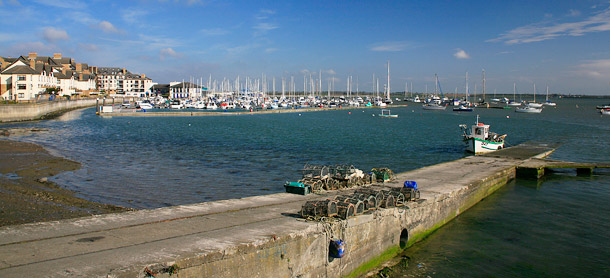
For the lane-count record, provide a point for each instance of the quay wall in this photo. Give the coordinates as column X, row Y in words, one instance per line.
column 35, row 111
column 370, row 239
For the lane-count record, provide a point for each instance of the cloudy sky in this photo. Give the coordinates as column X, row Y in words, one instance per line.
column 562, row 44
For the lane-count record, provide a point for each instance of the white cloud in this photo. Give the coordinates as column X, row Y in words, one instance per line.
column 107, row 27
column 330, row 71
column 271, row 50
column 10, row 2
column 214, row 31
column 64, row 4
column 132, row 16
column 599, row 69
column 572, row 12
column 263, row 26
column 51, row 34
column 390, row 46
column 598, row 22
column 167, row 53
column 39, row 47
column 461, row 54
column 264, row 14
column 88, row 46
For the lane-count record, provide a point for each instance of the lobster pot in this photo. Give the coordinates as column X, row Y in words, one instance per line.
column 358, row 205
column 359, row 196
column 345, row 210
column 399, row 198
column 319, row 208
column 370, row 203
column 388, row 201
column 371, row 192
column 410, row 193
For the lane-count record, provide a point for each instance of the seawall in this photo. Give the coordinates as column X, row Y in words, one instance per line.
column 35, row 111
column 260, row 236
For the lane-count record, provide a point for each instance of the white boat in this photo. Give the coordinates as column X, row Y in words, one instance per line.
column 462, row 108
column 534, row 104
column 211, row 105
column 176, row 104
column 386, row 113
column 528, row 109
column 548, row 102
column 144, row 104
column 605, row 112
column 479, row 139
column 433, row 106
column 514, row 102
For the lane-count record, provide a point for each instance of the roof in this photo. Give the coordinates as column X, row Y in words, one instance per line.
column 186, row 85
column 20, row 70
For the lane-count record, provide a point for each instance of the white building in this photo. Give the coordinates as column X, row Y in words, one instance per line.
column 121, row 81
column 25, row 78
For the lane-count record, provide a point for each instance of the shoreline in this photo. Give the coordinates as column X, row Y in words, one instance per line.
column 26, row 195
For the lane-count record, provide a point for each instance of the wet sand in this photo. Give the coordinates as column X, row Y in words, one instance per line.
column 25, row 194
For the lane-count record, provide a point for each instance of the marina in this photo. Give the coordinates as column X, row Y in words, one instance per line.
column 219, row 190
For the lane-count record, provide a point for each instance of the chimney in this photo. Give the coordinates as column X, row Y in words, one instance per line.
column 94, row 70
column 143, row 76
column 80, row 76
column 124, row 71
column 33, row 64
column 33, row 55
column 56, row 55
column 79, row 67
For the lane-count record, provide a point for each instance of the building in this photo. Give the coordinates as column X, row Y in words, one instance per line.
column 26, row 78
column 121, row 81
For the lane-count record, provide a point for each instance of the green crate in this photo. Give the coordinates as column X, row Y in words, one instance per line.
column 298, row 188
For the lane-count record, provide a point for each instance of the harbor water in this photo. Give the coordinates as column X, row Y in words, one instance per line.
column 556, row 227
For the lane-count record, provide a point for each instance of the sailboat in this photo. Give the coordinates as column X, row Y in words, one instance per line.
column 548, row 102
column 463, row 107
column 435, row 104
column 534, row 104
column 514, row 102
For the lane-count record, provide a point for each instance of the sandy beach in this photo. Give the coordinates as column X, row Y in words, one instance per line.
column 26, row 196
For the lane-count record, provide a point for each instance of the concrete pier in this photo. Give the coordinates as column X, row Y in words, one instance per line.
column 260, row 236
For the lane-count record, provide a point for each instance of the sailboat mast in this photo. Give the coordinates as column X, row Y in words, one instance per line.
column 388, row 80
column 483, row 85
column 467, row 87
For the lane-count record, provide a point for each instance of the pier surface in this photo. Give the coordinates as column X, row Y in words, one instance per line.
column 258, row 236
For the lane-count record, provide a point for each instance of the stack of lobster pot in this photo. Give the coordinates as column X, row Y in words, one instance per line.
column 359, row 206
column 317, row 209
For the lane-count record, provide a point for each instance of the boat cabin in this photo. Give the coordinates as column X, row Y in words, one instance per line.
column 480, row 131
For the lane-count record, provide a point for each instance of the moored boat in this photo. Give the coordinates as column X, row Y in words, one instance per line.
column 605, row 111
column 433, row 106
column 462, row 108
column 528, row 109
column 479, row 139
column 386, row 113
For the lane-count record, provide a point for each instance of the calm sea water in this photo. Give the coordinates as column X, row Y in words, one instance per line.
column 556, row 228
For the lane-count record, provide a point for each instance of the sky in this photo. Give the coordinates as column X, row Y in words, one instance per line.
column 564, row 45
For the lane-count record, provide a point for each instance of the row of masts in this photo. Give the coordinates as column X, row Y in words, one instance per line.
column 312, row 86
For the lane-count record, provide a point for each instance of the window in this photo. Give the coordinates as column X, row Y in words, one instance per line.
column 21, row 87
column 21, row 77
column 21, row 95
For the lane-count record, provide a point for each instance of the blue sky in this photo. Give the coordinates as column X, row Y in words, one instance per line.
column 562, row 44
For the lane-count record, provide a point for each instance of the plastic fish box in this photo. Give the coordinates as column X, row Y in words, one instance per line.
column 297, row 188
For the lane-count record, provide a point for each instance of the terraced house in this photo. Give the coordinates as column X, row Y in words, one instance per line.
column 23, row 79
